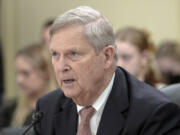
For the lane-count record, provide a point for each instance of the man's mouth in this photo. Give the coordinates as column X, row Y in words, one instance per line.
column 68, row 81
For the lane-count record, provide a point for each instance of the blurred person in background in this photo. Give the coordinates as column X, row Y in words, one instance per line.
column 34, row 78
column 45, row 31
column 168, row 61
column 135, row 52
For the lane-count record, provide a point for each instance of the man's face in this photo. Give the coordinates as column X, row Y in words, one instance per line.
column 79, row 70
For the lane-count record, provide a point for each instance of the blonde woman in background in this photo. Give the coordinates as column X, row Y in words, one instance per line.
column 135, row 52
column 35, row 78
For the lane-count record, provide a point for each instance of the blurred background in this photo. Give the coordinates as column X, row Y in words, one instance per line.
column 21, row 23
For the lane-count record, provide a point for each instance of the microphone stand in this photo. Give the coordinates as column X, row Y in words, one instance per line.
column 29, row 127
column 36, row 117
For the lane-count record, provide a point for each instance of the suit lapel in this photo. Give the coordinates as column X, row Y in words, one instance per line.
column 113, row 117
column 65, row 120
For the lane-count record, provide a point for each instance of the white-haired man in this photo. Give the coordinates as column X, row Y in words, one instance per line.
column 95, row 96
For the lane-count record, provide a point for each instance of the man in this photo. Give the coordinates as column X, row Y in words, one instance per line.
column 96, row 98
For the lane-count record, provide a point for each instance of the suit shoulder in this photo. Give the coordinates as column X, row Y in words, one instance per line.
column 140, row 93
column 51, row 97
column 149, row 95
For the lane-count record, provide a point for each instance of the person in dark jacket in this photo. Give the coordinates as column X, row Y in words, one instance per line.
column 95, row 96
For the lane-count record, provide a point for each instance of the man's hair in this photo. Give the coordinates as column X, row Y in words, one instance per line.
column 97, row 29
column 48, row 23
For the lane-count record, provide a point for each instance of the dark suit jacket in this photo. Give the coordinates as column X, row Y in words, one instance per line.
column 132, row 108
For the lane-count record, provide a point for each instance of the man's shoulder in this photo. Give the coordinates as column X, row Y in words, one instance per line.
column 145, row 94
column 144, row 103
column 148, row 98
column 50, row 98
column 53, row 93
column 48, row 105
column 140, row 93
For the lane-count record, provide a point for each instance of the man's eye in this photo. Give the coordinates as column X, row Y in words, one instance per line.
column 74, row 54
column 54, row 54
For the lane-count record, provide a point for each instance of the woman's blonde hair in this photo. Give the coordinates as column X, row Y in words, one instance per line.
column 140, row 39
column 39, row 57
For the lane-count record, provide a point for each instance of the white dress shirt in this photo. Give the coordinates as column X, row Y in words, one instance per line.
column 99, row 107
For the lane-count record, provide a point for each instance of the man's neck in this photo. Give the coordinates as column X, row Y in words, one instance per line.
column 88, row 99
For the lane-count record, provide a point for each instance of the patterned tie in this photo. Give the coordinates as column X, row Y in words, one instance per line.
column 84, row 127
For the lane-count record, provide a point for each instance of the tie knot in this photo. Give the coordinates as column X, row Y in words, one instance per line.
column 86, row 113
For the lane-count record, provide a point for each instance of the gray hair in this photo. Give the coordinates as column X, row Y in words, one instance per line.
column 97, row 29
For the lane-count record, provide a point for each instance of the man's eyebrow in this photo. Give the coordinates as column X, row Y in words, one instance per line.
column 72, row 49
column 51, row 50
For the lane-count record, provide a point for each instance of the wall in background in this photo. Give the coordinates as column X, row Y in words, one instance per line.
column 22, row 21
column 9, row 42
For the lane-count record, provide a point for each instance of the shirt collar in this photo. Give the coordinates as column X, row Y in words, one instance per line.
column 102, row 98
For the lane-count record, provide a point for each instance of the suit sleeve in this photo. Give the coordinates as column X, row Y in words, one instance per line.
column 165, row 120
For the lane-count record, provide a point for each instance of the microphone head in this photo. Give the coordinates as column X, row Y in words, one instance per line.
column 37, row 116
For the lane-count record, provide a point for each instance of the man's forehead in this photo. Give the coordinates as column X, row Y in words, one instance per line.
column 67, row 34
column 66, row 48
column 69, row 28
column 69, row 46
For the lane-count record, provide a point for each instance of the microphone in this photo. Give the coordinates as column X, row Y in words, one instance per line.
column 36, row 117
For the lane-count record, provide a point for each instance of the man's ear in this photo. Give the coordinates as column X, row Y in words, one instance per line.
column 109, row 52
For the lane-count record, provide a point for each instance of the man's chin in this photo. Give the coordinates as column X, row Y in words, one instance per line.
column 70, row 94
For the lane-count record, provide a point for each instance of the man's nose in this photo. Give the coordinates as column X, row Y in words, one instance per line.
column 63, row 65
